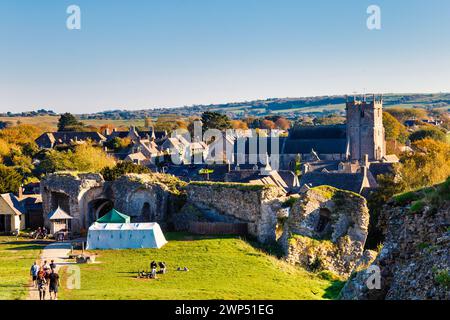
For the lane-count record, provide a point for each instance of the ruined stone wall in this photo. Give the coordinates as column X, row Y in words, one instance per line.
column 255, row 205
column 73, row 187
column 326, row 230
column 145, row 198
column 141, row 199
column 414, row 262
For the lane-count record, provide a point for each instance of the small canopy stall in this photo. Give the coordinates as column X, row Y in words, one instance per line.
column 114, row 216
column 59, row 220
column 125, row 236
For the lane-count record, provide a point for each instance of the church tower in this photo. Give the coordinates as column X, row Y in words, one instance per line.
column 365, row 131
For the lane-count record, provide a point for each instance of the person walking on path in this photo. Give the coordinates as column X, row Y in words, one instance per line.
column 42, row 285
column 34, row 273
column 54, row 284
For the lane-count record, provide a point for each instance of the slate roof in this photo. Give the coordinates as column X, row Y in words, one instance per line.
column 322, row 139
column 319, row 132
column 13, row 202
column 59, row 214
column 67, row 137
column 142, row 134
column 377, row 168
column 321, row 146
column 345, row 181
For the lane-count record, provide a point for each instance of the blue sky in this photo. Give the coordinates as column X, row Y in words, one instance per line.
column 140, row 54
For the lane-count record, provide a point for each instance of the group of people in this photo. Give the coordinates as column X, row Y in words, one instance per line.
column 153, row 270
column 40, row 233
column 44, row 277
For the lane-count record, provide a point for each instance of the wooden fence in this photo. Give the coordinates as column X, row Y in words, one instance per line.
column 218, row 228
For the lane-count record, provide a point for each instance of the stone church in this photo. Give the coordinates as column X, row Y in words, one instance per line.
column 347, row 156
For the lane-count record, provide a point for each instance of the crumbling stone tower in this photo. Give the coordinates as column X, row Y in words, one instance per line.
column 365, row 131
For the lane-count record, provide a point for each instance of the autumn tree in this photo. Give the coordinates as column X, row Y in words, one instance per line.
column 393, row 128
column 403, row 114
column 427, row 165
column 239, row 125
column 267, row 124
column 283, row 123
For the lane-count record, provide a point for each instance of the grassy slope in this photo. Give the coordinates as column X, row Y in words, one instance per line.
column 16, row 258
column 220, row 268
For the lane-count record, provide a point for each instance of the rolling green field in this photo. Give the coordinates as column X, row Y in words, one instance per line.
column 51, row 122
column 220, row 268
column 16, row 258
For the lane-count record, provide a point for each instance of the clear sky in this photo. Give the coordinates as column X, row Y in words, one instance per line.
column 139, row 54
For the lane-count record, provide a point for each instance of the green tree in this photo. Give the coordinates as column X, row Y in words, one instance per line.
column 428, row 132
column 68, row 122
column 10, row 179
column 214, row 120
column 84, row 158
column 122, row 168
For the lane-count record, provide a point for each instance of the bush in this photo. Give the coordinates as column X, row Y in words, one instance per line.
column 289, row 203
column 428, row 132
column 406, row 198
column 417, row 206
column 442, row 277
column 122, row 168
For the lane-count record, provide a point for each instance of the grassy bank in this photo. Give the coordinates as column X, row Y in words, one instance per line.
column 16, row 258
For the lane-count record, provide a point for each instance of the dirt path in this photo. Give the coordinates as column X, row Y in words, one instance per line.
column 56, row 251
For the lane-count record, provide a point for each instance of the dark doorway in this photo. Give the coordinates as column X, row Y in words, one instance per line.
column 147, row 215
column 3, row 223
column 324, row 220
column 98, row 208
column 60, row 200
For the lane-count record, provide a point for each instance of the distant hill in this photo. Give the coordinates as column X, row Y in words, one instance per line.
column 290, row 107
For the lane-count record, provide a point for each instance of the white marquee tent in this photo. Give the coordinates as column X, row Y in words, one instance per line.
column 125, row 236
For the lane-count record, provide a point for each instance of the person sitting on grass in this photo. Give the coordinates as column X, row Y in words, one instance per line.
column 153, row 276
column 162, row 267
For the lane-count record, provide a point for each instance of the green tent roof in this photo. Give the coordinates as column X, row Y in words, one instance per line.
column 114, row 216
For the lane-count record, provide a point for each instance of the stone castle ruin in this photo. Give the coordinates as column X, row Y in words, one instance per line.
column 326, row 230
column 161, row 198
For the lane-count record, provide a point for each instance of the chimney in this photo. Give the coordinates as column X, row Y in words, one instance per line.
column 364, row 172
column 305, row 168
column 20, row 193
column 365, row 160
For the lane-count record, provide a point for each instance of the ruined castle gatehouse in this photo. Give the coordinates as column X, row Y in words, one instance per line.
column 87, row 197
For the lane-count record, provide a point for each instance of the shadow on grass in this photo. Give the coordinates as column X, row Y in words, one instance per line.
column 332, row 292
column 25, row 248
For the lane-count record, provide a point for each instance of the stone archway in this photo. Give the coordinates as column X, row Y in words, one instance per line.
column 98, row 208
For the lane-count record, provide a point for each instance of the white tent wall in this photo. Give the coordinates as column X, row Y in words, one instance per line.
column 125, row 236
